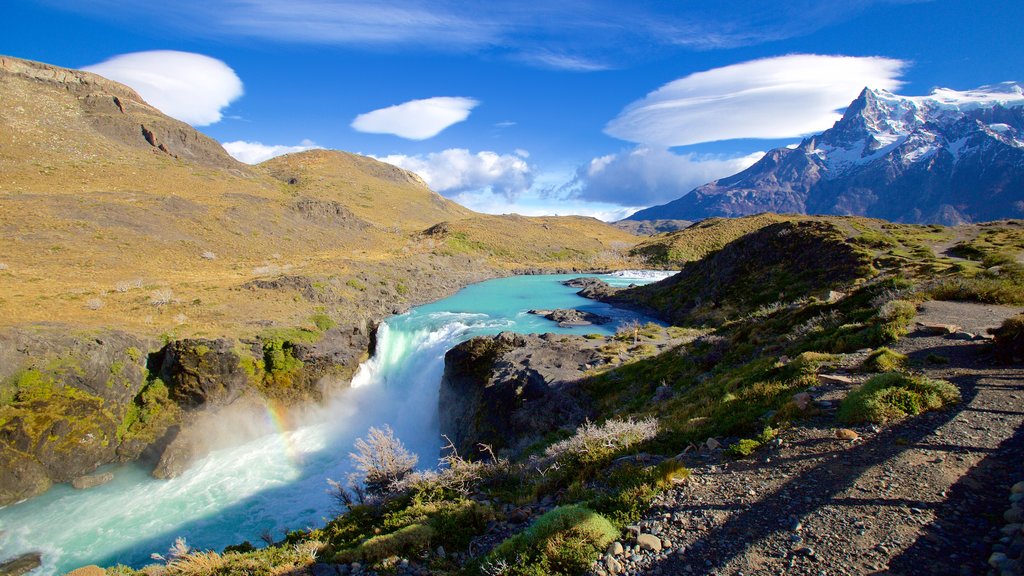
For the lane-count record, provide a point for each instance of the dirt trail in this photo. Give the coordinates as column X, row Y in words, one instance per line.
column 924, row 496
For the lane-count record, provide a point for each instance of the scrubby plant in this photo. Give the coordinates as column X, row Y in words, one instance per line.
column 161, row 297
column 594, row 444
column 884, row 359
column 565, row 541
column 382, row 459
column 895, row 395
column 746, row 446
column 1010, row 340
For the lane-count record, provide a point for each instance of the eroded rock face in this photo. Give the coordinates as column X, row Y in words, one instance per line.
column 202, row 372
column 508, row 390
column 63, row 398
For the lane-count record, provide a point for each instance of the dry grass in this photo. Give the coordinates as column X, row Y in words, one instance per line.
column 88, row 209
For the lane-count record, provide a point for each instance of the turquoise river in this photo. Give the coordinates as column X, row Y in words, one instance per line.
column 276, row 480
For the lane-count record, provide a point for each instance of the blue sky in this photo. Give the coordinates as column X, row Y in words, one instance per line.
column 597, row 107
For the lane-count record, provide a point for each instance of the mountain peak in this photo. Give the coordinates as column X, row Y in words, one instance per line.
column 949, row 157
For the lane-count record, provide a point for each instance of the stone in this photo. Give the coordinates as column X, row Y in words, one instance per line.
column 92, row 480
column 519, row 515
column 938, row 329
column 847, row 434
column 440, row 552
column 22, row 564
column 962, row 336
column 321, row 569
column 1013, row 515
column 649, row 542
column 802, row 400
column 90, row 570
column 1018, row 488
column 712, row 444
column 613, row 565
column 666, row 543
column 834, row 379
column 615, row 548
column 997, row 559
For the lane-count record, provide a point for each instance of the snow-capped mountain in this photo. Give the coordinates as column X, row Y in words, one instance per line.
column 950, row 157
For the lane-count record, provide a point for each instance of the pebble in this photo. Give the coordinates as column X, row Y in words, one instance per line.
column 615, row 549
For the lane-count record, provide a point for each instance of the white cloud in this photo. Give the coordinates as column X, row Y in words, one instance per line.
column 458, row 170
column 490, row 203
column 648, row 176
column 781, row 97
column 256, row 152
column 416, row 119
column 190, row 87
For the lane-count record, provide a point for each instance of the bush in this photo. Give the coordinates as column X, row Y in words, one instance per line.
column 382, row 459
column 565, row 541
column 893, row 395
column 405, row 541
column 1010, row 340
column 884, row 360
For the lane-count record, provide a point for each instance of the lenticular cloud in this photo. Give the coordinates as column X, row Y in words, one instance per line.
column 416, row 119
column 781, row 97
column 190, row 87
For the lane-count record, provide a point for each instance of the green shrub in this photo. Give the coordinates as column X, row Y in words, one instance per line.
column 356, row 284
column 894, row 395
column 1010, row 340
column 403, row 542
column 746, row 446
column 884, row 360
column 565, row 541
column 323, row 322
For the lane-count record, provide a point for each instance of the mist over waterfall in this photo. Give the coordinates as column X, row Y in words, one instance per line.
column 278, row 481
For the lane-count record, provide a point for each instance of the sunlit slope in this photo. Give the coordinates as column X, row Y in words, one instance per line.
column 385, row 195
column 113, row 214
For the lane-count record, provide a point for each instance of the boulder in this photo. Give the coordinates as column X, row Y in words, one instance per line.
column 508, row 390
column 802, row 400
column 649, row 542
column 846, row 434
column 938, row 329
column 91, row 480
column 22, row 564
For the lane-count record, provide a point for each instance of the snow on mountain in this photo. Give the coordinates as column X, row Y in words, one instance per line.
column 952, row 156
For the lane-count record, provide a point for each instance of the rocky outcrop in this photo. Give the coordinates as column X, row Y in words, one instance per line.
column 64, row 397
column 571, row 317
column 507, row 390
column 118, row 113
column 592, row 288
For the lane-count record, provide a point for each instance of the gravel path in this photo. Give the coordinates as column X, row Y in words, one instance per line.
column 924, row 496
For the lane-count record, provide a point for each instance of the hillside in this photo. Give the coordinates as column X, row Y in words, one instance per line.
column 948, row 158
column 137, row 252
column 811, row 405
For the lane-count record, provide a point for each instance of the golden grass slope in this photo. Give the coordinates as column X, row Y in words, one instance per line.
column 113, row 214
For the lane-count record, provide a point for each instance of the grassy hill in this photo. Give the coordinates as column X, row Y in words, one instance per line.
column 116, row 215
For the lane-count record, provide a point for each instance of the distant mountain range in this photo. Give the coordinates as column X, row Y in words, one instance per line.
column 950, row 157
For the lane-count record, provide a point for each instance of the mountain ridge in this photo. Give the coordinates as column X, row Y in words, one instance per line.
column 949, row 158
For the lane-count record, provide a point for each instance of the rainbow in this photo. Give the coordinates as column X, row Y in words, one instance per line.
column 278, row 417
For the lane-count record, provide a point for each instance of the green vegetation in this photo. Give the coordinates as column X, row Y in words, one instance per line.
column 894, row 395
column 884, row 360
column 746, row 446
column 323, row 322
column 562, row 542
column 151, row 412
column 1010, row 340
